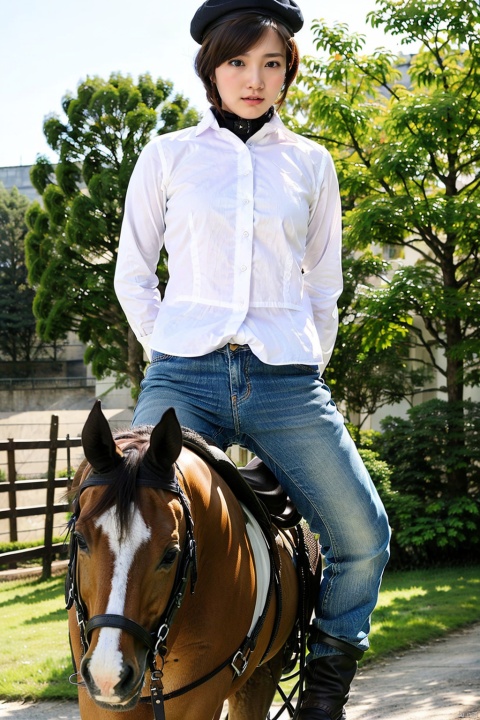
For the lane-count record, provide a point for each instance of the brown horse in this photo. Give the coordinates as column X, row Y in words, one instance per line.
column 163, row 585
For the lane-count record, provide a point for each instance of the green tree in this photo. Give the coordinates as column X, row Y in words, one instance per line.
column 405, row 137
column 366, row 378
column 18, row 338
column 72, row 243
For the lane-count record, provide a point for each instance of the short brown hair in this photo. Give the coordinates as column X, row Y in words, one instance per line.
column 235, row 35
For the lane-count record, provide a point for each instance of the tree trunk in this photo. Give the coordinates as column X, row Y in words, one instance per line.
column 457, row 480
column 454, row 374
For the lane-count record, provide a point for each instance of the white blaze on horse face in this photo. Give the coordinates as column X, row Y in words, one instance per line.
column 107, row 662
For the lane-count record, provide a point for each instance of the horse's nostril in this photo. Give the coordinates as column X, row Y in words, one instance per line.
column 85, row 672
column 127, row 678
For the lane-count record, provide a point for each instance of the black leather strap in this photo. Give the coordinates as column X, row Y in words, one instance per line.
column 121, row 623
column 318, row 636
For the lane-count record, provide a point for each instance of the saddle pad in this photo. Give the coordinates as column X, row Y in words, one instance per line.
column 262, row 563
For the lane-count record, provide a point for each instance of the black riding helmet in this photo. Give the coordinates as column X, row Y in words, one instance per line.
column 285, row 11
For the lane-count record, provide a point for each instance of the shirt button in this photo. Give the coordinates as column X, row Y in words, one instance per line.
column 246, row 201
column 245, row 233
column 243, row 268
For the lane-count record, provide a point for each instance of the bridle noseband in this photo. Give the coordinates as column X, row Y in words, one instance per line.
column 187, row 567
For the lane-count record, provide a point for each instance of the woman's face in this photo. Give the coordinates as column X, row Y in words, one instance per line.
column 249, row 84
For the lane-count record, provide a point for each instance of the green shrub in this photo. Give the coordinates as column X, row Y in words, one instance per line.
column 364, row 438
column 379, row 470
column 66, row 473
column 433, row 500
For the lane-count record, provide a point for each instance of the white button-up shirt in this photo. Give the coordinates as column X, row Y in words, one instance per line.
column 253, row 236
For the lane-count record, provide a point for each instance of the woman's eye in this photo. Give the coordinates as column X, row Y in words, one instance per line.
column 236, row 63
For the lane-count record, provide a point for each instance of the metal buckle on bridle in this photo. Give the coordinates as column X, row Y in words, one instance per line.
column 163, row 631
column 240, row 662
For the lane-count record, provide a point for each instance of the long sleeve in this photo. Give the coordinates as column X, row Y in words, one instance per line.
column 322, row 264
column 252, row 232
column 141, row 239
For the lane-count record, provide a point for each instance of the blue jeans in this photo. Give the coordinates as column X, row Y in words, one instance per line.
column 286, row 416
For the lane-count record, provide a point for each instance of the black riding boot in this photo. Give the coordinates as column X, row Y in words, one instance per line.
column 328, row 681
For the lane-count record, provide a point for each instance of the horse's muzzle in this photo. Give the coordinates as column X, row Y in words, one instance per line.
column 121, row 692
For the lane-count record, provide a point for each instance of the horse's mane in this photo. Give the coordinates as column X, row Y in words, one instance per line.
column 195, row 438
column 121, row 493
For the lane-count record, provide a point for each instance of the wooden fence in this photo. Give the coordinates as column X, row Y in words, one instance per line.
column 48, row 550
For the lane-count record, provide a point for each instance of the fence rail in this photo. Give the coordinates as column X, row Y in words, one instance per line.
column 17, row 556
column 48, row 550
column 45, row 383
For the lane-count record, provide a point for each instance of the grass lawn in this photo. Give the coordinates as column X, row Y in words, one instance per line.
column 414, row 607
column 417, row 606
column 34, row 650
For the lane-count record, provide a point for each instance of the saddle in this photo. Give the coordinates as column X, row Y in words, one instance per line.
column 254, row 485
column 268, row 490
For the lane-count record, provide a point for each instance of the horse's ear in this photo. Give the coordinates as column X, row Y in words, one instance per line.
column 98, row 444
column 165, row 442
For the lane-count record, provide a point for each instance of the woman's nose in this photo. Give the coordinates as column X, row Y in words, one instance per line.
column 255, row 81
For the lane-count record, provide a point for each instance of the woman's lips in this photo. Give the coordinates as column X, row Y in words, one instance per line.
column 252, row 100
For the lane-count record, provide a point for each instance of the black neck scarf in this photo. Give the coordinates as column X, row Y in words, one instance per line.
column 243, row 129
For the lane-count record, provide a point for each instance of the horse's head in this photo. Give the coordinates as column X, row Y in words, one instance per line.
column 129, row 531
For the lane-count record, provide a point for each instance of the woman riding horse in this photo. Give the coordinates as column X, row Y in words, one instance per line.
column 250, row 216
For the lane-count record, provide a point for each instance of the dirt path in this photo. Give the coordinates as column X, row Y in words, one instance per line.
column 440, row 681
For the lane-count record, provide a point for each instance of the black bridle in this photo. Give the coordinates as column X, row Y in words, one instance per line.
column 187, row 567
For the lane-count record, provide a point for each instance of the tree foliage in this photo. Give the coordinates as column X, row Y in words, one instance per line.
column 18, row 339
column 363, row 376
column 405, row 137
column 73, row 239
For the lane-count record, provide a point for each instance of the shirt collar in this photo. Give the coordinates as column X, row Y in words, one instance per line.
column 209, row 121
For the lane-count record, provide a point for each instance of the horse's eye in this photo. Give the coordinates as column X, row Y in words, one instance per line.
column 169, row 557
column 81, row 542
